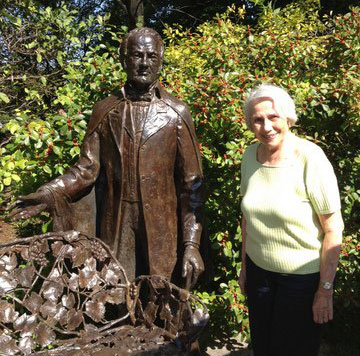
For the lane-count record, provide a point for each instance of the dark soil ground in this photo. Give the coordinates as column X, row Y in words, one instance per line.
column 7, row 232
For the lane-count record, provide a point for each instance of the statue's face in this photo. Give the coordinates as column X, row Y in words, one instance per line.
column 143, row 61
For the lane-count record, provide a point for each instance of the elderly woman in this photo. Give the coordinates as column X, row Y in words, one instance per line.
column 291, row 228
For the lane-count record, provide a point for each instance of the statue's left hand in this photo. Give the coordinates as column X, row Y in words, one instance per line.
column 193, row 265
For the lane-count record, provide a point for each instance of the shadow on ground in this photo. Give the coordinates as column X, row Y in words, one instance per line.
column 233, row 346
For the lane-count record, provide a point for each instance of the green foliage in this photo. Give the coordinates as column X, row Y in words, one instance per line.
column 44, row 122
column 212, row 69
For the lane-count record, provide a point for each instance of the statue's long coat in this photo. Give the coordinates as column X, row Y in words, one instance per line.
column 170, row 177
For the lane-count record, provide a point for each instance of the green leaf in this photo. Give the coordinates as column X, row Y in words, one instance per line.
column 13, row 127
column 60, row 59
column 47, row 169
column 15, row 177
column 45, row 227
column 7, row 181
column 4, row 97
column 57, row 150
column 18, row 21
column 38, row 57
column 11, row 166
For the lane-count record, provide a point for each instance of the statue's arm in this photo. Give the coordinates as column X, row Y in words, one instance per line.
column 57, row 194
column 190, row 184
column 82, row 174
column 63, row 189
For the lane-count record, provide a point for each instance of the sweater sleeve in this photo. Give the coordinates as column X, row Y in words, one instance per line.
column 321, row 183
column 244, row 164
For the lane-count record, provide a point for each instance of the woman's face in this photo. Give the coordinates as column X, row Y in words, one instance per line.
column 266, row 123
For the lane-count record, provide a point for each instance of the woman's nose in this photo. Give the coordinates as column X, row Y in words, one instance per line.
column 267, row 124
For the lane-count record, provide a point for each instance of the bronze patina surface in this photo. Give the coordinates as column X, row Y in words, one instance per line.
column 138, row 182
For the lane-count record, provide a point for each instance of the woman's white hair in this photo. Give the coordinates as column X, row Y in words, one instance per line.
column 283, row 103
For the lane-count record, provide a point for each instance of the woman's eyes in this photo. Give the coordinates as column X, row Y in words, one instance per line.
column 260, row 120
column 274, row 118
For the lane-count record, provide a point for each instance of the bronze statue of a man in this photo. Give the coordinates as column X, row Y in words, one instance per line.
column 141, row 155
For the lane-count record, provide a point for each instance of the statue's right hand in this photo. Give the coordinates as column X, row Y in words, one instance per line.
column 28, row 206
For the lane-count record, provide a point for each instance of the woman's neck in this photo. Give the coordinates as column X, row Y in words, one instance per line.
column 275, row 155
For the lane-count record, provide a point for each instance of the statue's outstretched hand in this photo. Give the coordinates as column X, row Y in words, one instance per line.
column 28, row 206
column 193, row 266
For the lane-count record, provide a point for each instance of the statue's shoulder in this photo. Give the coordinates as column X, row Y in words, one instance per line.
column 101, row 109
column 177, row 105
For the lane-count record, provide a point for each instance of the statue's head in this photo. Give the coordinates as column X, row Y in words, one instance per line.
column 142, row 56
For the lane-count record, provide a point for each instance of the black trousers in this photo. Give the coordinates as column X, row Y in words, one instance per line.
column 280, row 312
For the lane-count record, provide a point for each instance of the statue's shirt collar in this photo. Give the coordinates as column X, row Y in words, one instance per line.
column 134, row 94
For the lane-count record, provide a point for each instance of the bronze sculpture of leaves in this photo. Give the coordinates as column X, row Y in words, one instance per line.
column 66, row 291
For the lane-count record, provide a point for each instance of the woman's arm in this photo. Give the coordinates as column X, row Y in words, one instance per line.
column 332, row 225
column 242, row 278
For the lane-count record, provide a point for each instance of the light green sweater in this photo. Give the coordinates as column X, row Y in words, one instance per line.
column 281, row 204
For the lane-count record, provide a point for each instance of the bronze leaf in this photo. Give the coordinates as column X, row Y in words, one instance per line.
column 165, row 313
column 88, row 276
column 79, row 255
column 44, row 335
column 49, row 309
column 24, row 252
column 115, row 296
column 25, row 276
column 95, row 310
column 110, row 275
column 73, row 282
column 7, row 312
column 26, row 324
column 150, row 312
column 8, row 262
column 68, row 301
column 52, row 290
column 74, row 319
column 7, row 346
column 56, row 247
column 26, row 345
column 33, row 302
column 6, row 283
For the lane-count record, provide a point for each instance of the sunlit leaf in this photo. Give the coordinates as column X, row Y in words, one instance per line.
column 7, row 312
column 26, row 324
column 4, row 98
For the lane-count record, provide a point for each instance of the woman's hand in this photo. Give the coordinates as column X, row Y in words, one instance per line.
column 323, row 306
column 242, row 280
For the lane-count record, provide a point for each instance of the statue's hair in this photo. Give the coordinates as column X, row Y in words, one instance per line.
column 283, row 103
column 136, row 32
